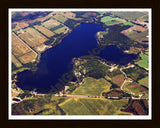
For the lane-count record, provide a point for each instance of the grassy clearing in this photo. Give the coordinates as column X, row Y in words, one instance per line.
column 147, row 53
column 134, row 35
column 92, row 87
column 132, row 32
column 44, row 30
column 110, row 20
column 61, row 30
column 100, row 12
column 144, row 81
column 83, row 106
column 128, row 23
column 144, row 61
column 106, row 18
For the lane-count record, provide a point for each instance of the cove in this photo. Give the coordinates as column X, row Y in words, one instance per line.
column 56, row 61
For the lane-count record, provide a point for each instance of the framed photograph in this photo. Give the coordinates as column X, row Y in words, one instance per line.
column 80, row 63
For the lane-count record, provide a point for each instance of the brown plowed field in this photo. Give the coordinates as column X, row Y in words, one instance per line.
column 51, row 23
column 18, row 46
column 28, row 57
column 118, row 80
column 15, row 61
column 32, row 37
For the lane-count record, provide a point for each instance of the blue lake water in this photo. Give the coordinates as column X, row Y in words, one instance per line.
column 56, row 61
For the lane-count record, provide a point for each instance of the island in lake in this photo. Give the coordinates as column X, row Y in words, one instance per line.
column 80, row 63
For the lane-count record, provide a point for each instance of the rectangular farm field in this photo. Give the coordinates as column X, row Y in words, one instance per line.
column 86, row 106
column 68, row 14
column 118, row 79
column 111, row 22
column 33, row 32
column 128, row 15
column 144, row 81
column 60, row 18
column 16, row 62
column 133, row 29
column 33, row 37
column 20, row 25
column 44, row 30
column 28, row 57
column 18, row 46
column 106, row 18
column 51, row 23
column 61, row 30
column 144, row 62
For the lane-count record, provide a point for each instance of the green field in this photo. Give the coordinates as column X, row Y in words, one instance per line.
column 144, row 81
column 86, row 106
column 51, row 105
column 106, row 18
column 100, row 12
column 92, row 87
column 60, row 18
column 110, row 20
column 147, row 53
column 128, row 23
column 61, row 30
column 144, row 61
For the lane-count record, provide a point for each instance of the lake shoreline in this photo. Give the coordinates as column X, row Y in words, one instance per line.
column 34, row 69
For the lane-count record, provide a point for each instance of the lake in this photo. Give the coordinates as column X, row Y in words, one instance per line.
column 56, row 61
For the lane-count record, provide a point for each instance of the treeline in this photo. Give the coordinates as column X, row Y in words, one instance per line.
column 18, row 16
column 114, row 37
column 71, row 23
column 95, row 69
column 116, row 93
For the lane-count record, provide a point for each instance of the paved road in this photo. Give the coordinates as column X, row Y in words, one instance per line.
column 84, row 96
column 124, row 80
